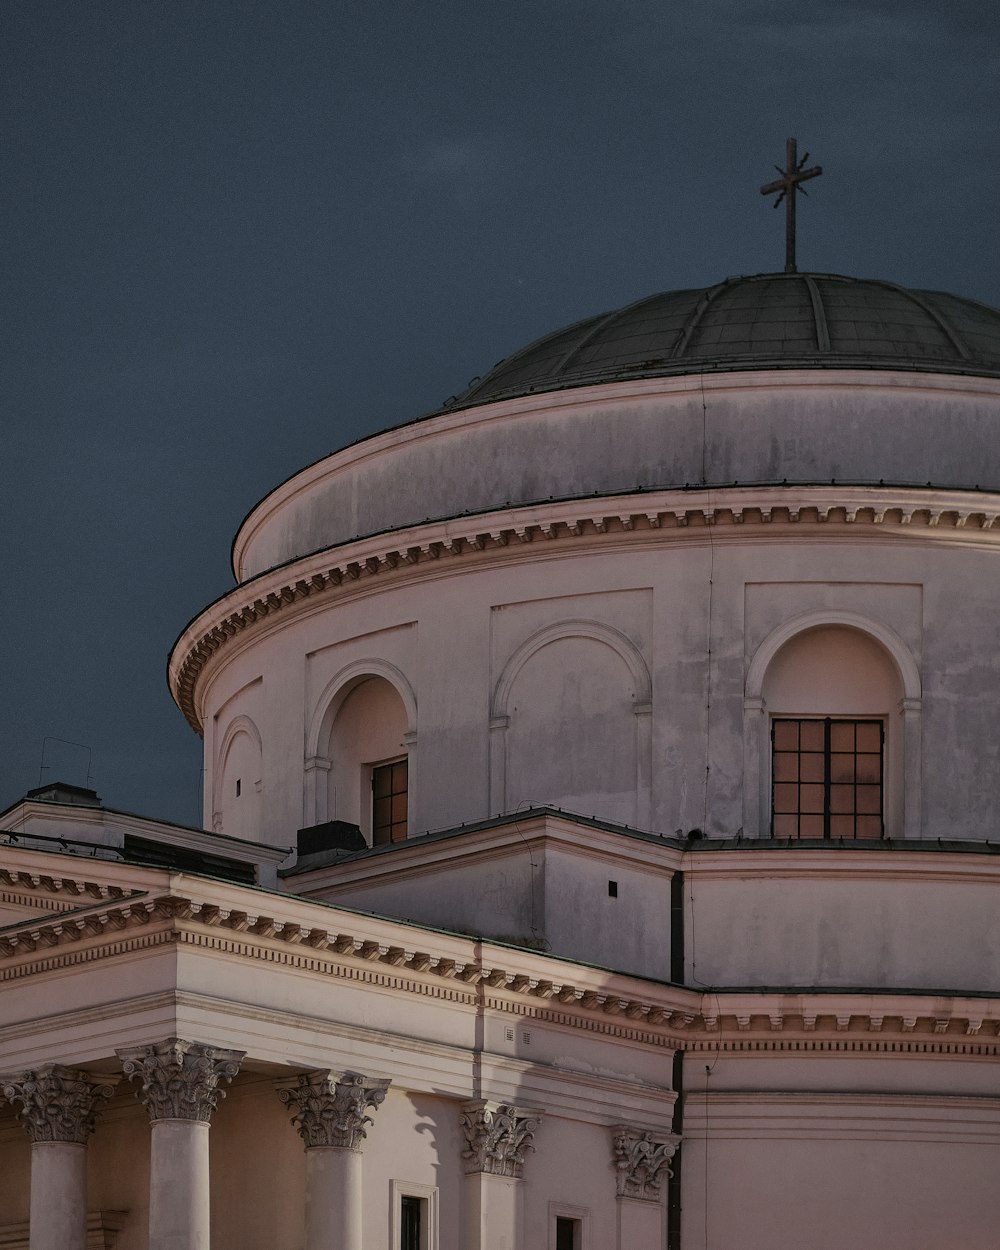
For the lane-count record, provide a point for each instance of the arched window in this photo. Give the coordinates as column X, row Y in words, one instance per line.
column 361, row 771
column 832, row 717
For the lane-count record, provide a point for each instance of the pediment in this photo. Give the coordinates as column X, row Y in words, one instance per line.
column 42, row 887
column 14, row 910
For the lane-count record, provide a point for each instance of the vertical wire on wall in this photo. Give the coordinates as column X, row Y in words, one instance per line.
column 708, row 661
column 710, row 523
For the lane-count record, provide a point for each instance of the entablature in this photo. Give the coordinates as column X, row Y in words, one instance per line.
column 692, row 514
column 481, row 976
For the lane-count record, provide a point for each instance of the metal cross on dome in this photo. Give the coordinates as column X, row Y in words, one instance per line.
column 788, row 184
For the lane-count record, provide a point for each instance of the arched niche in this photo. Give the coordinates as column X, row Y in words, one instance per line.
column 365, row 720
column 570, row 725
column 236, row 808
column 836, row 665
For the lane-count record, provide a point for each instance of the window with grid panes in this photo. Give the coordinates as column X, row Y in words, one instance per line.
column 389, row 802
column 827, row 778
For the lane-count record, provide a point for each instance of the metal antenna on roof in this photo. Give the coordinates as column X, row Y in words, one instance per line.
column 787, row 185
column 43, row 767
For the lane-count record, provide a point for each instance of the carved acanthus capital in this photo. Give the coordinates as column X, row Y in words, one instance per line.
column 498, row 1136
column 180, row 1080
column 642, row 1160
column 58, row 1104
column 328, row 1108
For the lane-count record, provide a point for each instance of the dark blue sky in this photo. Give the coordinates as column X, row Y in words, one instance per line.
column 239, row 235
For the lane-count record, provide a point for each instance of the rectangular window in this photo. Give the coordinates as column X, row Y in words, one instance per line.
column 389, row 802
column 411, row 1222
column 414, row 1216
column 567, row 1233
column 827, row 778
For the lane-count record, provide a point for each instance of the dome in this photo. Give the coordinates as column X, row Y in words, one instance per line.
column 766, row 321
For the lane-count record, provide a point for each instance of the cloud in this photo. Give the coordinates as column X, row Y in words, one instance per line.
column 455, row 158
column 791, row 16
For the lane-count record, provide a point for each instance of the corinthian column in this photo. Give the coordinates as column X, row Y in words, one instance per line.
column 58, row 1107
column 642, row 1164
column 498, row 1136
column 328, row 1108
column 180, row 1086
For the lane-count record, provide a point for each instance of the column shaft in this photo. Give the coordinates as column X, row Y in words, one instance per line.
column 180, row 1084
column 328, row 1109
column 334, row 1206
column 58, row 1106
column 178, row 1187
column 58, row 1196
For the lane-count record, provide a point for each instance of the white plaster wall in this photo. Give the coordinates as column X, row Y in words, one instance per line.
column 571, row 741
column 118, row 1167
column 870, row 925
column 258, row 1171
column 417, row 1140
column 961, row 673
column 582, row 921
column 680, row 594
column 234, row 749
column 571, row 1167
column 840, row 1171
column 15, row 1166
column 547, row 897
column 795, row 425
column 502, row 897
column 238, row 801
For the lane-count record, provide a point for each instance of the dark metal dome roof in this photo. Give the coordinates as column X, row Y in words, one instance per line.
column 768, row 321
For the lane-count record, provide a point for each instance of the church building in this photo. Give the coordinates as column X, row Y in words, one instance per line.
column 600, row 824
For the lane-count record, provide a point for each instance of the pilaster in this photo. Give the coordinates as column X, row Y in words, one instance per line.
column 642, row 1163
column 498, row 1138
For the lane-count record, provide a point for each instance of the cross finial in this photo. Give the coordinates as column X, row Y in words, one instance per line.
column 787, row 185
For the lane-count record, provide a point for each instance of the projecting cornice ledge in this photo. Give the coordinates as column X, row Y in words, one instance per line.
column 509, row 980
column 727, row 512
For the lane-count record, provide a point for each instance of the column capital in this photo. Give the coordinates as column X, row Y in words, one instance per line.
column 641, row 1160
column 498, row 1135
column 58, row 1104
column 328, row 1108
column 180, row 1080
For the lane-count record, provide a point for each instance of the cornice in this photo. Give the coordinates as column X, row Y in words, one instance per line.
column 523, row 983
column 921, row 860
column 846, row 1115
column 577, row 526
column 53, row 892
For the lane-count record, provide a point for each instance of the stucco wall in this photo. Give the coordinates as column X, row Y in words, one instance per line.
column 690, row 613
column 799, row 426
